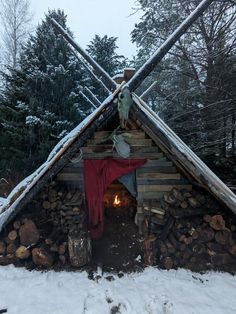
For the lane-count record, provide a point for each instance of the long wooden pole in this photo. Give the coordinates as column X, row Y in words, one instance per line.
column 146, row 69
column 88, row 100
column 148, row 90
column 92, row 96
column 108, row 81
column 87, row 67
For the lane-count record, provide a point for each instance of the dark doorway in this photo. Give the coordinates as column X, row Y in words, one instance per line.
column 120, row 246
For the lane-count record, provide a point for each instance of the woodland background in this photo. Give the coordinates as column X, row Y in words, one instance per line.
column 41, row 82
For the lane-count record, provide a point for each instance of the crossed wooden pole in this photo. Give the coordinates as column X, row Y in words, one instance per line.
column 147, row 68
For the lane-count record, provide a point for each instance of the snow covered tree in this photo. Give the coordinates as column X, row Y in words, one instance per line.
column 103, row 50
column 41, row 102
column 15, row 17
column 193, row 80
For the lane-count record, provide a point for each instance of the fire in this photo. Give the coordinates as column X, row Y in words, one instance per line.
column 117, row 201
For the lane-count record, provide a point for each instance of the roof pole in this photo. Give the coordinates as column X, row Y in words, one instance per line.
column 90, row 94
column 148, row 66
column 90, row 70
column 108, row 81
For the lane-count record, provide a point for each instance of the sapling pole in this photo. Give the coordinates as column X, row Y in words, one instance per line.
column 88, row 100
column 148, row 66
column 87, row 67
column 92, row 96
column 108, row 81
column 148, row 90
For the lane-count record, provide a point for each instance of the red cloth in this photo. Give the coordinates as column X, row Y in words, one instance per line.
column 98, row 175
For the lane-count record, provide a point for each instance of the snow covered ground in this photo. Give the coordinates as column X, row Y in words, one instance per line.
column 153, row 291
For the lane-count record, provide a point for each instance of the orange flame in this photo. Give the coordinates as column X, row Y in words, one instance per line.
column 117, row 201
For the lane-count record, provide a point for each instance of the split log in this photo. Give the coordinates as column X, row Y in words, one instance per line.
column 79, row 247
column 16, row 224
column 62, row 259
column 221, row 259
column 217, row 222
column 28, row 232
column 12, row 235
column 168, row 262
column 2, row 247
column 62, row 248
column 149, row 248
column 8, row 259
column 11, row 248
column 41, row 257
column 167, row 228
column 232, row 250
column 22, row 252
column 193, row 202
column 223, row 237
column 206, row 234
column 184, row 213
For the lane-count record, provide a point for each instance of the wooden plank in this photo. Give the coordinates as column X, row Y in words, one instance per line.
column 161, row 169
column 110, row 148
column 70, row 176
column 150, row 195
column 157, row 163
column 131, row 141
column 156, row 175
column 161, row 182
column 133, row 133
column 116, row 156
column 162, row 188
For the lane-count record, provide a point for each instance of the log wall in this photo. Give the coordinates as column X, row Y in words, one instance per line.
column 157, row 176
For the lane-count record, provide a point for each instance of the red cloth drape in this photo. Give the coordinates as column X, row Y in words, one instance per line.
column 98, row 175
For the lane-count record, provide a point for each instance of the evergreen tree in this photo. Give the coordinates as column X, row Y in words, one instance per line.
column 103, row 51
column 41, row 101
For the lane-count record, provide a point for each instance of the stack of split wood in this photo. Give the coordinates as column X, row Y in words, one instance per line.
column 189, row 229
column 24, row 242
column 64, row 208
column 46, row 232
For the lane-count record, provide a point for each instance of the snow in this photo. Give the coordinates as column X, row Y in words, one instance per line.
column 152, row 291
column 2, row 201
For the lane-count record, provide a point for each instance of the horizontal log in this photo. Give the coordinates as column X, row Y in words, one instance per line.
column 161, row 182
column 105, row 134
column 157, row 163
column 161, row 169
column 162, row 188
column 156, row 176
column 110, row 148
column 131, row 141
column 116, row 156
column 150, row 195
column 70, row 176
column 184, row 213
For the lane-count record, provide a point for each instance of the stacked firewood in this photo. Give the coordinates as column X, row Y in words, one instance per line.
column 41, row 234
column 64, row 208
column 189, row 229
column 24, row 242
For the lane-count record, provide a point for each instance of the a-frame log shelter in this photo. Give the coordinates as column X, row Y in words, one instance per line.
column 166, row 141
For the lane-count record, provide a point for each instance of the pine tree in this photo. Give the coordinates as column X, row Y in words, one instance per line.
column 103, row 50
column 41, row 101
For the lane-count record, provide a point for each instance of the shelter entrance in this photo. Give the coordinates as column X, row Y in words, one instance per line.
column 120, row 246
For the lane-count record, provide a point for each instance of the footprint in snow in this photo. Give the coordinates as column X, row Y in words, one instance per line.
column 154, row 305
column 167, row 306
column 95, row 304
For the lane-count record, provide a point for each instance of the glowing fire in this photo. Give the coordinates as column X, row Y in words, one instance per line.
column 117, row 201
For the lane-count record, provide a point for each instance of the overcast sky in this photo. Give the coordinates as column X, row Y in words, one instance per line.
column 89, row 17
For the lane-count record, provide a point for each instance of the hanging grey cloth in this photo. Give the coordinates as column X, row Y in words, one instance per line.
column 121, row 146
column 129, row 181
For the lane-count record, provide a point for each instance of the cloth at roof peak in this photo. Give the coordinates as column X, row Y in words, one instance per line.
column 98, row 175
